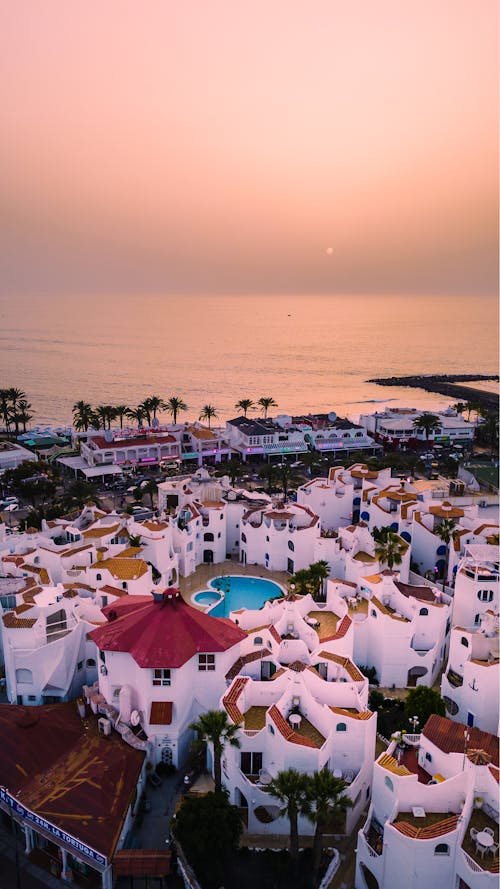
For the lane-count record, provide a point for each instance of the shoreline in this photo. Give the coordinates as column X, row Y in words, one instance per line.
column 447, row 384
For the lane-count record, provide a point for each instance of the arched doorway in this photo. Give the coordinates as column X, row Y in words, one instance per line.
column 413, row 675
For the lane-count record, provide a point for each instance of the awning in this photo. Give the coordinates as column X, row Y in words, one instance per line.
column 72, row 462
column 142, row 863
column 93, row 471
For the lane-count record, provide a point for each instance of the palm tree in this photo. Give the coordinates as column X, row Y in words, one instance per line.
column 289, row 787
column 231, row 467
column 459, row 407
column 147, row 410
column 5, row 408
column 215, row 728
column 244, row 404
column 266, row 403
column 313, row 462
column 150, row 488
column 287, row 476
column 319, row 571
column 174, row 406
column 268, row 473
column 121, row 411
column 15, row 396
column 102, row 413
column 138, row 414
column 155, row 403
column 208, row 413
column 325, row 801
column 390, row 551
column 83, row 416
column 427, row 422
column 446, row 532
column 23, row 413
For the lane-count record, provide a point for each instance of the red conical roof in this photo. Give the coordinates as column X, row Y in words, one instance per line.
column 163, row 634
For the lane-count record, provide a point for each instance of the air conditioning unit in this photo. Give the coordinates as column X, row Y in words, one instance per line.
column 104, row 727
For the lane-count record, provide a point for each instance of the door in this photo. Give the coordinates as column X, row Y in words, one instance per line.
column 470, row 719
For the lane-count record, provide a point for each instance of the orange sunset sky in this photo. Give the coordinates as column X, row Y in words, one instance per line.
column 225, row 145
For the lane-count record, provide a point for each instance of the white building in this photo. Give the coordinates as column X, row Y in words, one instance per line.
column 470, row 682
column 395, row 424
column 281, row 538
column 161, row 664
column 12, row 454
column 476, row 586
column 429, row 801
column 266, row 437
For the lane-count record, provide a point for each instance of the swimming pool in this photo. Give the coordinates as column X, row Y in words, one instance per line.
column 239, row 591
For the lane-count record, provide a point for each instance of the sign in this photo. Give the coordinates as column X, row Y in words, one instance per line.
column 31, row 819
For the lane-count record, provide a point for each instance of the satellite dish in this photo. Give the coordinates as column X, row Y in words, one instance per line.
column 332, row 416
column 135, row 718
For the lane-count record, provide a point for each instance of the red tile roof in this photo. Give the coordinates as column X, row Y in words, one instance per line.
column 447, row 825
column 341, row 630
column 230, row 700
column 54, row 763
column 161, row 713
column 274, row 633
column 449, row 737
column 163, row 634
column 142, row 863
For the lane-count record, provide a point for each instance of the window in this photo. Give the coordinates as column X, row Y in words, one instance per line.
column 98, row 577
column 243, row 537
column 25, row 676
column 271, row 729
column 291, row 545
column 221, row 516
column 104, row 600
column 485, row 595
column 442, row 849
column 373, row 612
column 251, row 763
column 464, row 641
column 189, row 547
column 424, row 611
column 258, row 640
column 31, row 697
column 428, row 757
column 79, row 665
column 91, row 662
column 341, row 727
column 208, row 536
column 477, row 619
column 388, row 783
column 124, row 585
column 206, row 662
column 161, row 677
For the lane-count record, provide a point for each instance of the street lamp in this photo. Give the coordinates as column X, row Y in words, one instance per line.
column 414, row 722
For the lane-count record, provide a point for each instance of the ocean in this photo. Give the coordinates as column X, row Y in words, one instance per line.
column 310, row 353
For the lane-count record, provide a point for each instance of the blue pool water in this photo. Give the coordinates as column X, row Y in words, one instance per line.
column 206, row 598
column 242, row 592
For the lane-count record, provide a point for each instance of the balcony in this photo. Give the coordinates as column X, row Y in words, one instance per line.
column 454, row 678
column 476, row 861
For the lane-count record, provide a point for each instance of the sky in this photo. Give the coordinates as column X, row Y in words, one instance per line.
column 227, row 146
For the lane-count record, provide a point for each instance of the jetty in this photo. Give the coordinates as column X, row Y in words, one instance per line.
column 448, row 384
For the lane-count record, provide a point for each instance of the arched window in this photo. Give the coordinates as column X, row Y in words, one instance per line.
column 258, row 640
column 125, row 585
column 464, row 641
column 373, row 612
column 341, row 727
column 441, row 550
column 208, row 536
column 25, row 676
column 266, row 557
column 477, row 619
column 388, row 783
column 485, row 595
column 91, row 662
column 424, row 611
column 442, row 849
column 243, row 537
column 291, row 545
column 98, row 577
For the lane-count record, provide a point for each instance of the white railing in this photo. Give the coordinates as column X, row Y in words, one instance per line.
column 472, row 864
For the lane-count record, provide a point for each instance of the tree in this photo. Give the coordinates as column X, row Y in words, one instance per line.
column 215, row 728
column 23, row 413
column 208, row 412
column 121, row 411
column 209, row 830
column 83, row 416
column 232, row 468
column 446, row 532
column 391, row 550
column 174, row 406
column 150, row 488
column 319, row 572
column 380, row 534
column 459, row 407
column 79, row 493
column 138, row 414
column 287, row 476
column 104, row 414
column 154, row 404
column 147, row 410
column 427, row 423
column 422, row 702
column 326, row 801
column 5, row 409
column 244, row 404
column 268, row 473
column 266, row 403
column 313, row 462
column 289, row 787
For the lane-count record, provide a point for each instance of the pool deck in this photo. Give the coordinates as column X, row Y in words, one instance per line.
column 204, row 573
